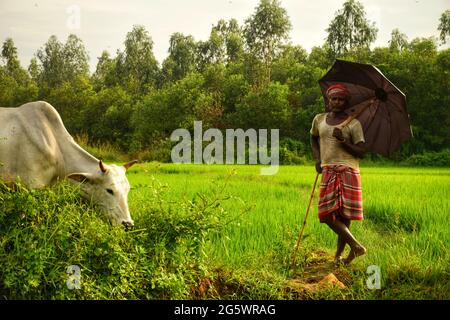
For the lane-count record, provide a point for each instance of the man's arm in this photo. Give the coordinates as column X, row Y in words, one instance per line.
column 356, row 150
column 314, row 140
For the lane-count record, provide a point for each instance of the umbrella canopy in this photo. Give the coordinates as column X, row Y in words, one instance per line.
column 375, row 101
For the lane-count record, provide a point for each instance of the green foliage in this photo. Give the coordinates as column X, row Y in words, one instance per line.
column 159, row 150
column 225, row 45
column 240, row 77
column 405, row 230
column 61, row 63
column 43, row 232
column 350, row 29
column 71, row 99
column 235, row 88
column 292, row 152
column 177, row 105
column 265, row 32
column 137, row 67
column 16, row 87
column 105, row 73
column 399, row 41
column 181, row 59
column 444, row 26
column 101, row 150
column 430, row 159
column 265, row 108
column 107, row 117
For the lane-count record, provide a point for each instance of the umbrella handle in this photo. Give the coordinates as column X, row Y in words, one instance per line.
column 350, row 118
column 294, row 256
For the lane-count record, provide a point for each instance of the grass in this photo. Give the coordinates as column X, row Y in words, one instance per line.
column 405, row 227
column 226, row 232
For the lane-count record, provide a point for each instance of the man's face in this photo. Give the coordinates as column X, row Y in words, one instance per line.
column 337, row 103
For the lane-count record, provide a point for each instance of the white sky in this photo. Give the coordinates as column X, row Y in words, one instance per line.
column 104, row 24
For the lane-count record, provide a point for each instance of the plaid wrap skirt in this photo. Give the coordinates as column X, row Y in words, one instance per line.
column 340, row 193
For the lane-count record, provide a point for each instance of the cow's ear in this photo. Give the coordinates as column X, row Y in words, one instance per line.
column 79, row 177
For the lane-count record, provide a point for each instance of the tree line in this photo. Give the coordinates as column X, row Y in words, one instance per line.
column 242, row 76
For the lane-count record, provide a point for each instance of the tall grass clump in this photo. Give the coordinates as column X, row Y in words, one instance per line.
column 101, row 150
column 44, row 232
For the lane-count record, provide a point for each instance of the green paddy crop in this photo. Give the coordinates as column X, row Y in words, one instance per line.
column 227, row 232
column 405, row 229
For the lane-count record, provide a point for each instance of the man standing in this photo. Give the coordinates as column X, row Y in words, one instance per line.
column 337, row 144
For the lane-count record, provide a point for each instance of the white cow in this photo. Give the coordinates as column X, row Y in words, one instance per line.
column 36, row 147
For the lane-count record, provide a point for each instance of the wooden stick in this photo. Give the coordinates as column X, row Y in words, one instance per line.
column 294, row 257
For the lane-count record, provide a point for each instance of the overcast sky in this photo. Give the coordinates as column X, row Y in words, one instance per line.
column 103, row 24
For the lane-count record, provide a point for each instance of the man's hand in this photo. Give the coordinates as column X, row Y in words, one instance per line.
column 337, row 133
column 318, row 167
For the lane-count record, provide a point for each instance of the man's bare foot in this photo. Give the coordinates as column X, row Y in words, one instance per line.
column 338, row 261
column 355, row 252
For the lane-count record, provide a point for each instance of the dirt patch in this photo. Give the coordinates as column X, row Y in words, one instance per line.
column 221, row 284
column 318, row 274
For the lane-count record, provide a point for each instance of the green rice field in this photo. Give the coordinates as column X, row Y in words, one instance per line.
column 406, row 227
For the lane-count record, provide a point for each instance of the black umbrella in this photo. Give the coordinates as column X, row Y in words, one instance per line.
column 375, row 101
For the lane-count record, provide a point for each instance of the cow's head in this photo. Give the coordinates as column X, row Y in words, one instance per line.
column 108, row 188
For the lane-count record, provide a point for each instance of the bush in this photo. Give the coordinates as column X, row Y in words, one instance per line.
column 104, row 151
column 292, row 152
column 160, row 150
column 431, row 159
column 43, row 232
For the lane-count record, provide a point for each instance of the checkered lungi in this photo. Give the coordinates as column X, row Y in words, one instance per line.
column 340, row 193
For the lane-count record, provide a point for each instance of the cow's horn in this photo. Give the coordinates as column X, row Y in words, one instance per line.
column 102, row 167
column 129, row 164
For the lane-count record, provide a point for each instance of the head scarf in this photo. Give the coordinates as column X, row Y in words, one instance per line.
column 338, row 90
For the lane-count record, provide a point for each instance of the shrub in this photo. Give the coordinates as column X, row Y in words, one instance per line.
column 104, row 151
column 292, row 152
column 43, row 232
column 432, row 159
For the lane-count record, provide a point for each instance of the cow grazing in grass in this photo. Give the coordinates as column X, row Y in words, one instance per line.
column 36, row 148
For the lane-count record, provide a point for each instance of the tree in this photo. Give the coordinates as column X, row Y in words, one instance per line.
column 181, row 59
column 234, row 42
column 52, row 60
column 284, row 64
column 226, row 41
column 235, row 88
column 424, row 46
column 63, row 62
column 76, row 58
column 225, row 44
column 107, row 119
column 34, row 69
column 321, row 57
column 105, row 72
column 71, row 99
column 444, row 26
column 265, row 31
column 176, row 105
column 137, row 66
column 350, row 29
column 399, row 41
column 9, row 54
column 12, row 66
column 265, row 108
column 16, row 86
